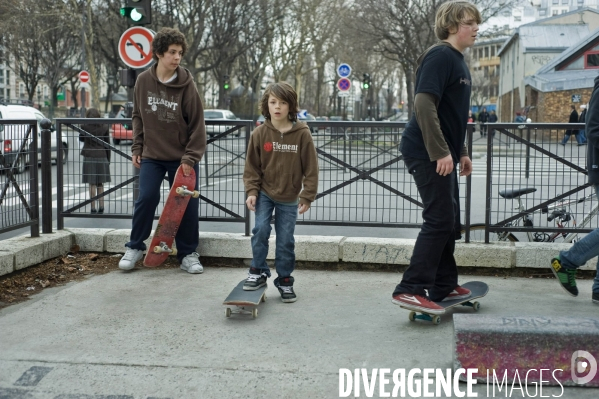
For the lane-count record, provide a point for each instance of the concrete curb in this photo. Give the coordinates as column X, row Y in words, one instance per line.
column 20, row 252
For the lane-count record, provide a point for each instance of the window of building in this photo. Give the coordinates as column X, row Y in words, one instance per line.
column 486, row 51
column 46, row 92
column 492, row 51
column 7, row 77
column 554, row 12
column 21, row 90
column 564, row 11
column 565, row 2
column 517, row 18
column 1, row 93
column 555, row 1
column 1, row 76
column 8, row 94
column 542, row 12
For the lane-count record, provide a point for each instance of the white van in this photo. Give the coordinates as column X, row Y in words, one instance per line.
column 12, row 136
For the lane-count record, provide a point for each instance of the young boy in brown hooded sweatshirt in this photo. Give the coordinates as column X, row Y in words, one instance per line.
column 168, row 132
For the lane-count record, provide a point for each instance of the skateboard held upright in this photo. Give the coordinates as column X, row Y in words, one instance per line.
column 245, row 301
column 478, row 289
column 170, row 218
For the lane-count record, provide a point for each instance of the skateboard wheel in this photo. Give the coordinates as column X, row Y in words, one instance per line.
column 180, row 190
column 174, row 251
column 263, row 298
column 255, row 313
column 196, row 194
column 476, row 306
column 436, row 319
column 228, row 312
column 412, row 316
column 157, row 249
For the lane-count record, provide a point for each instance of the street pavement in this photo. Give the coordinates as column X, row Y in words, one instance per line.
column 164, row 334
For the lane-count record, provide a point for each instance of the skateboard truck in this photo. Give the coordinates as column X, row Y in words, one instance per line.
column 162, row 247
column 436, row 319
column 184, row 191
column 253, row 310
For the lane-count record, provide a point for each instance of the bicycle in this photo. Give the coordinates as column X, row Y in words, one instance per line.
column 559, row 212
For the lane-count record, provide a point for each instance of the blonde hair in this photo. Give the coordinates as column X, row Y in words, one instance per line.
column 451, row 14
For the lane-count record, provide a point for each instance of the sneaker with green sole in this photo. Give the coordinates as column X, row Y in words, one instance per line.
column 566, row 277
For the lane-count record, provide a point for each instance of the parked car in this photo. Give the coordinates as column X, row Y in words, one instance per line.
column 308, row 118
column 12, row 137
column 219, row 114
column 120, row 132
column 260, row 120
column 323, row 128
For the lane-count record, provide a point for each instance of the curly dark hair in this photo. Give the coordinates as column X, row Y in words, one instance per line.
column 283, row 91
column 164, row 38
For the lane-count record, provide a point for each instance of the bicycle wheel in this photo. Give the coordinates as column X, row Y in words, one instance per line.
column 477, row 234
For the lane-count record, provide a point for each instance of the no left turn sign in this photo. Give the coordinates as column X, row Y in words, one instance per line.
column 135, row 47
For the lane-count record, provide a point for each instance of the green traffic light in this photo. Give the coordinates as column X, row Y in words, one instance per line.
column 226, row 86
column 366, row 85
column 136, row 15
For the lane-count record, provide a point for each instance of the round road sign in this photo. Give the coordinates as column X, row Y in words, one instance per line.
column 135, row 47
column 343, row 84
column 84, row 76
column 343, row 70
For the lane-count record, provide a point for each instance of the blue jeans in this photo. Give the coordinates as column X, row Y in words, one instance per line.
column 432, row 266
column 150, row 179
column 582, row 135
column 285, row 218
column 576, row 134
column 582, row 251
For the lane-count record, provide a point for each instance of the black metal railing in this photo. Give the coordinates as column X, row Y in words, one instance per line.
column 19, row 192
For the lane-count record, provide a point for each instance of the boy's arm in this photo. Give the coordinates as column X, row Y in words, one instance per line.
column 425, row 108
column 138, row 126
column 310, row 171
column 196, row 147
column 252, row 172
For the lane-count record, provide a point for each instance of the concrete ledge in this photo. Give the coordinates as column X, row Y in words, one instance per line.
column 511, row 346
column 539, row 255
column 29, row 251
column 497, row 254
column 395, row 251
column 90, row 240
column 19, row 252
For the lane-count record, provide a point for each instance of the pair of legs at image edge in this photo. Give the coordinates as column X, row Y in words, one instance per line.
column 566, row 264
column 432, row 275
column 285, row 218
column 187, row 239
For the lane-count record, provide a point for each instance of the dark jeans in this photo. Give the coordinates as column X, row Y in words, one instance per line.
column 285, row 218
column 432, row 266
column 150, row 179
column 576, row 134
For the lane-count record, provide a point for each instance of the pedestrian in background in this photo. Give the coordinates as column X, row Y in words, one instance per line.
column 572, row 119
column 581, row 119
column 483, row 118
column 96, row 159
column 566, row 264
column 280, row 176
column 519, row 118
column 433, row 143
column 168, row 133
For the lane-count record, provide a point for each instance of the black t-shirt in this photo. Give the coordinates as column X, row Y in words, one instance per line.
column 444, row 74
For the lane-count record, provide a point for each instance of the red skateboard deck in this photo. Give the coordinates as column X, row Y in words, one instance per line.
column 170, row 219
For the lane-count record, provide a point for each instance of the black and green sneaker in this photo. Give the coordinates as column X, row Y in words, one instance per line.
column 566, row 277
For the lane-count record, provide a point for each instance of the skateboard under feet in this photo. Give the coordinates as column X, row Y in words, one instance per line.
column 478, row 289
column 245, row 302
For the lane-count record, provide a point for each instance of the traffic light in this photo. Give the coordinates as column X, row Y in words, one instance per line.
column 139, row 12
column 366, row 81
column 226, row 84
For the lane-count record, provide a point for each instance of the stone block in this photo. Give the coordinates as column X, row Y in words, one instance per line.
column 539, row 255
column 495, row 254
column 115, row 240
column 30, row 251
column 318, row 248
column 518, row 347
column 396, row 251
column 90, row 240
column 226, row 245
column 7, row 261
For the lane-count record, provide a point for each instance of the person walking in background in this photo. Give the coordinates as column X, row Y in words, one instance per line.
column 483, row 118
column 581, row 119
column 281, row 160
column 471, row 117
column 433, row 143
column 566, row 264
column 572, row 119
column 519, row 118
column 168, row 133
column 96, row 158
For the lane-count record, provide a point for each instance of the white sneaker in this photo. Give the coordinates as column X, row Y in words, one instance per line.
column 191, row 264
column 131, row 256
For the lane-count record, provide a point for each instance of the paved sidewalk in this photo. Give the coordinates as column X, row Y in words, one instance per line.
column 163, row 334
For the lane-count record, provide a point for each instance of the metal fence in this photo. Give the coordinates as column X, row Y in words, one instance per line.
column 19, row 192
column 362, row 182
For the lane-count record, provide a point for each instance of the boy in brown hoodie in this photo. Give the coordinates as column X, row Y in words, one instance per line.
column 168, row 132
column 281, row 158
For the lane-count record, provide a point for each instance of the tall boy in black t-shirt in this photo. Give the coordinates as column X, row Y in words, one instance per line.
column 432, row 146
